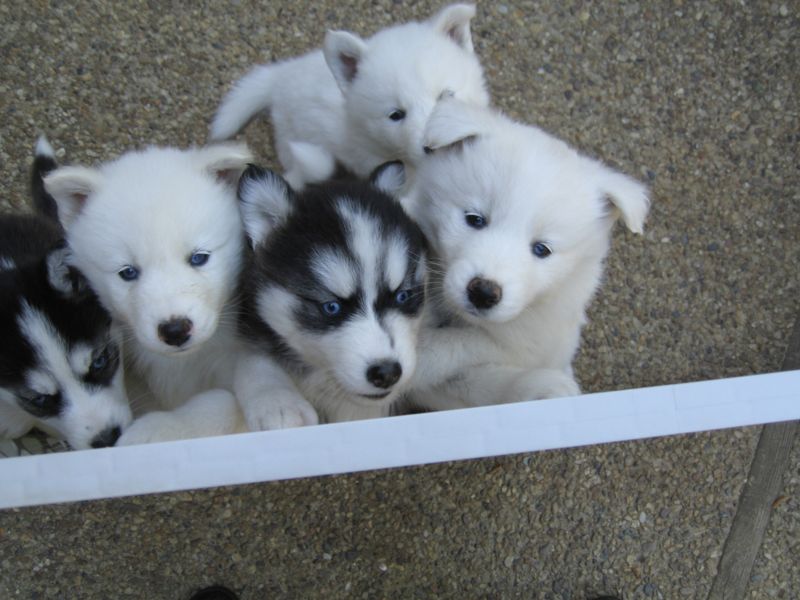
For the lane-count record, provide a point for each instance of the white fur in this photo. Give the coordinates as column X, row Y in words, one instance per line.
column 333, row 105
column 530, row 187
column 87, row 411
column 151, row 210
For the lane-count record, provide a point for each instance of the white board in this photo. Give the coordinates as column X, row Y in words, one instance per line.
column 400, row 441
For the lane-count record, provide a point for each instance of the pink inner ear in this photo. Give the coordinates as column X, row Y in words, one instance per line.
column 350, row 65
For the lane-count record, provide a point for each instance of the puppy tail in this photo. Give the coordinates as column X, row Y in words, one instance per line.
column 249, row 96
column 44, row 162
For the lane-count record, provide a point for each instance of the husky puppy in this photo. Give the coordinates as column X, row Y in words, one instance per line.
column 359, row 103
column 60, row 367
column 158, row 235
column 520, row 224
column 332, row 300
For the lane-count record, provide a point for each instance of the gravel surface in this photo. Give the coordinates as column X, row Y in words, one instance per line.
column 696, row 98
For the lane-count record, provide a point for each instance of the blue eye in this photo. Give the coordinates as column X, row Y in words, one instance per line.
column 541, row 249
column 475, row 220
column 128, row 273
column 402, row 296
column 332, row 308
column 198, row 259
column 397, row 115
column 100, row 362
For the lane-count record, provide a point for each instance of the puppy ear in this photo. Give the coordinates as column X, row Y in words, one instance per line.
column 625, row 196
column 265, row 200
column 63, row 277
column 343, row 52
column 224, row 161
column 390, row 177
column 453, row 21
column 70, row 187
column 452, row 124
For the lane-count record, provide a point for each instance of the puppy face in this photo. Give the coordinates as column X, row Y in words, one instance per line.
column 392, row 81
column 515, row 214
column 60, row 359
column 339, row 279
column 158, row 235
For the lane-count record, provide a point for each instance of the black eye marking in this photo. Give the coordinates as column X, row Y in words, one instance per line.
column 41, row 405
column 105, row 363
column 541, row 250
column 475, row 219
column 397, row 115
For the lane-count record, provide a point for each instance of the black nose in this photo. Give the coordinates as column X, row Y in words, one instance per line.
column 384, row 374
column 484, row 293
column 175, row 332
column 107, row 437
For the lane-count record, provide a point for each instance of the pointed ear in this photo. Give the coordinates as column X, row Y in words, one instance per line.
column 626, row 197
column 452, row 124
column 343, row 52
column 224, row 161
column 453, row 21
column 63, row 277
column 70, row 187
column 389, row 178
column 265, row 201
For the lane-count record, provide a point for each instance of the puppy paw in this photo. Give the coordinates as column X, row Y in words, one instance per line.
column 279, row 411
column 544, row 383
column 153, row 427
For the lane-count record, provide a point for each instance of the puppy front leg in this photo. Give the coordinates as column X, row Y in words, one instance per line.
column 268, row 396
column 445, row 352
column 214, row 412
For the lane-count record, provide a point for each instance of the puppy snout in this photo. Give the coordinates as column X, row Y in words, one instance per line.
column 384, row 374
column 107, row 437
column 484, row 293
column 175, row 332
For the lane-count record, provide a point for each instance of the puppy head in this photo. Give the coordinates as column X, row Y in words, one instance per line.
column 158, row 235
column 339, row 277
column 60, row 355
column 515, row 214
column 392, row 81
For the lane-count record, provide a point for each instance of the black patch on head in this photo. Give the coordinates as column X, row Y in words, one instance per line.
column 27, row 240
column 284, row 259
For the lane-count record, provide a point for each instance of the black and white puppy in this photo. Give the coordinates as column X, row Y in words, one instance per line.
column 60, row 364
column 332, row 299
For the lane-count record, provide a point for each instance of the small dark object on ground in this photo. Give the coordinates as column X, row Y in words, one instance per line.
column 214, row 592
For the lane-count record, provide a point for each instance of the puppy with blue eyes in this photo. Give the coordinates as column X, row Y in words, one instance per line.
column 357, row 102
column 60, row 364
column 519, row 224
column 159, row 237
column 332, row 300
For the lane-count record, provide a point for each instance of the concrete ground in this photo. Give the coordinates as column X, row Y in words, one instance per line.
column 699, row 99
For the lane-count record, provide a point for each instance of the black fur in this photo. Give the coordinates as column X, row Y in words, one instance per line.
column 32, row 250
column 43, row 203
column 312, row 224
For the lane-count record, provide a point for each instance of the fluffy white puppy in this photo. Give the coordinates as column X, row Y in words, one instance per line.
column 520, row 224
column 158, row 235
column 359, row 103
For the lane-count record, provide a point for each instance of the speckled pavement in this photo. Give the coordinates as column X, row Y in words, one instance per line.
column 699, row 99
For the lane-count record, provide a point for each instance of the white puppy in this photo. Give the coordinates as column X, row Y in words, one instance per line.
column 520, row 224
column 359, row 103
column 158, row 235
